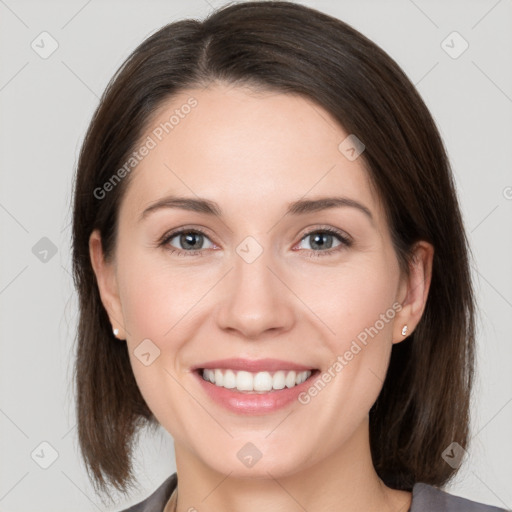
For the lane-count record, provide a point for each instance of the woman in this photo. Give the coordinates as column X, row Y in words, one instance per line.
column 225, row 158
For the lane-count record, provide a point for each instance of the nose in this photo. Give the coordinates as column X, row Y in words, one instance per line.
column 256, row 300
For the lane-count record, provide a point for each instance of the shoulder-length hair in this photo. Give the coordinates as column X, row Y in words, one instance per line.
column 281, row 46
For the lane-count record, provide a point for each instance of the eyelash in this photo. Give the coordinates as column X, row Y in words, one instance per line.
column 345, row 242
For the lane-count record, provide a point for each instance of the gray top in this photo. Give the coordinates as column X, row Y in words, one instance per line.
column 425, row 498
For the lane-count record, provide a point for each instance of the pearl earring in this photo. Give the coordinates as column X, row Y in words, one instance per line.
column 116, row 332
column 404, row 330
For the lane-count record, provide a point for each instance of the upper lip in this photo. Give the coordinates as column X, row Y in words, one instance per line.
column 252, row 365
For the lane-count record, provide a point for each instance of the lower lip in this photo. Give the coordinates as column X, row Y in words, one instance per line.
column 254, row 403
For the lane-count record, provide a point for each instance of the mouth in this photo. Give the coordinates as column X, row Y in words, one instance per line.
column 261, row 382
column 253, row 387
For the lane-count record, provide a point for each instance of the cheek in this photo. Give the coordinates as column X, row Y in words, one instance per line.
column 153, row 302
column 158, row 302
column 156, row 296
column 357, row 303
column 354, row 300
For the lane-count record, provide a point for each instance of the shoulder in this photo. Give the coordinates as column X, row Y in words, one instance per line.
column 427, row 498
column 157, row 500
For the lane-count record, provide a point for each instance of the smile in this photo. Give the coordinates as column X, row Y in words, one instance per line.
column 249, row 382
column 253, row 386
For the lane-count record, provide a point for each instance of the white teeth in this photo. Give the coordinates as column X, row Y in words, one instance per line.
column 229, row 379
column 300, row 378
column 219, row 378
column 260, row 381
column 244, row 381
column 278, row 380
column 290, row 379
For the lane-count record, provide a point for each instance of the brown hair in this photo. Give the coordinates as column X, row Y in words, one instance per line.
column 286, row 47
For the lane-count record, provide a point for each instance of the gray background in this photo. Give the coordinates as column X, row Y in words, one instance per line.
column 46, row 105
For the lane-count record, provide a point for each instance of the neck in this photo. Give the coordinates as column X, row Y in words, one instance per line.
column 345, row 479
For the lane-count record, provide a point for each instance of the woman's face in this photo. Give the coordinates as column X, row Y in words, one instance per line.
column 263, row 288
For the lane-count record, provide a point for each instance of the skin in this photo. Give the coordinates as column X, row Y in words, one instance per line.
column 253, row 153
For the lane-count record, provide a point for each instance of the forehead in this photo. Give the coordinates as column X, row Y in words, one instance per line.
column 244, row 148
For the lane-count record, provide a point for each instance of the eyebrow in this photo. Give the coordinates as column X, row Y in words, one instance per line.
column 300, row 207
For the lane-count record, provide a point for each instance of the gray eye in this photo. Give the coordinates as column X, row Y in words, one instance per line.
column 189, row 240
column 320, row 240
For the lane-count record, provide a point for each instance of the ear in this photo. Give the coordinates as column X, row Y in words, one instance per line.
column 107, row 283
column 413, row 290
